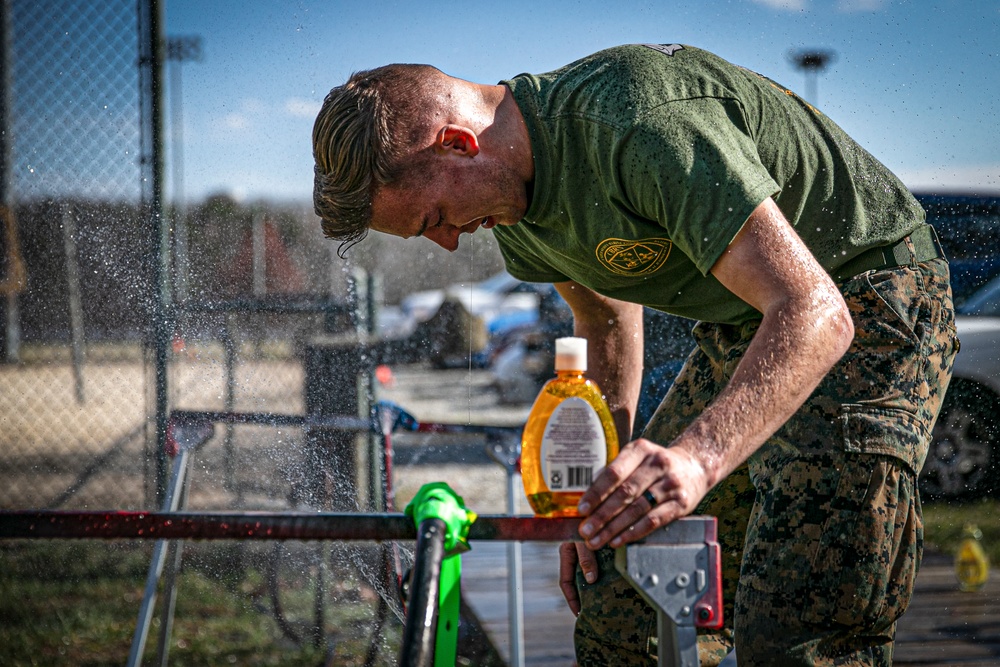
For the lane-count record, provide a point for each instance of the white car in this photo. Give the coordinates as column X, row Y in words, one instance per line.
column 963, row 454
column 499, row 295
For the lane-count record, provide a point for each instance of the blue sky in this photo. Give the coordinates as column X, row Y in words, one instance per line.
column 917, row 82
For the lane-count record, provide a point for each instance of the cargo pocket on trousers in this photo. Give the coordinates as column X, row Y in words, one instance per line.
column 887, row 431
column 866, row 561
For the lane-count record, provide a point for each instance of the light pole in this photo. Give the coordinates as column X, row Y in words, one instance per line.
column 812, row 62
column 181, row 49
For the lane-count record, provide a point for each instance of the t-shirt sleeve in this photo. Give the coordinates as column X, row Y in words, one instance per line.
column 521, row 262
column 693, row 167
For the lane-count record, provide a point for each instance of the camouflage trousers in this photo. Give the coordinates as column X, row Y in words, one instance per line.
column 821, row 529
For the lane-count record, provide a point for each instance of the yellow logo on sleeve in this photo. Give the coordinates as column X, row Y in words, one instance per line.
column 633, row 258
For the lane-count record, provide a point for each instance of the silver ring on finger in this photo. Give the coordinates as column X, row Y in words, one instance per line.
column 650, row 498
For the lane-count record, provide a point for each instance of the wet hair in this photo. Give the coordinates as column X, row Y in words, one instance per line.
column 361, row 139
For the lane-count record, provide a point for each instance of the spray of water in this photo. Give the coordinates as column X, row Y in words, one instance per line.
column 472, row 267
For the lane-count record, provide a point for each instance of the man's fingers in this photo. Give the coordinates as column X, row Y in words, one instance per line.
column 628, row 459
column 588, row 562
column 621, row 488
column 567, row 576
column 647, row 488
column 635, row 523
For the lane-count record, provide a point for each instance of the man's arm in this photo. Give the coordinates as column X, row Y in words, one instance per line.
column 806, row 328
column 613, row 330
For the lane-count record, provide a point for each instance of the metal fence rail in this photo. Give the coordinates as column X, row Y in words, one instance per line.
column 55, row 524
column 171, row 527
column 675, row 569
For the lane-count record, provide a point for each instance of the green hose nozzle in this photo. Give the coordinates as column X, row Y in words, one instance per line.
column 437, row 500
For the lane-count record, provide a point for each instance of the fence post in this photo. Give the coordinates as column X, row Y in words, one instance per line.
column 336, row 368
column 9, row 315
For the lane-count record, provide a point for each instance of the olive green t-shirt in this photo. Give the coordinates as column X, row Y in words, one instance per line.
column 650, row 158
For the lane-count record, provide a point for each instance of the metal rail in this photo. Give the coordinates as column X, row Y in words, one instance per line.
column 420, row 629
column 344, row 422
column 106, row 525
column 187, row 439
column 676, row 569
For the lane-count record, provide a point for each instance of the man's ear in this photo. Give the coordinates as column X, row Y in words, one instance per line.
column 458, row 139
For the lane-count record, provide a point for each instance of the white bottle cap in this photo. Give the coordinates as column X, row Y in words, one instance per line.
column 571, row 354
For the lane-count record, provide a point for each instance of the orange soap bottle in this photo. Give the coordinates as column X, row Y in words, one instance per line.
column 569, row 436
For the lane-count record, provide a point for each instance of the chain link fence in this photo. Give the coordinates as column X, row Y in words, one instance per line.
column 256, row 290
column 73, row 406
column 265, row 330
column 80, row 352
column 77, row 382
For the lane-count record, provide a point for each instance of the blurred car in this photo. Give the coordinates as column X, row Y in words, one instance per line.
column 963, row 454
column 521, row 353
column 497, row 296
column 458, row 325
column 522, row 358
column 968, row 226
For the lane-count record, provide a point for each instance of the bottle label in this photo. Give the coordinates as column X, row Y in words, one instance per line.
column 574, row 449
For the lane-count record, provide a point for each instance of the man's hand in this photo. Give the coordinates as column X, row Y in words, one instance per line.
column 622, row 513
column 619, row 509
column 571, row 554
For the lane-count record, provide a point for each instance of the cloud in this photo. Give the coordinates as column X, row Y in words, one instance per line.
column 957, row 178
column 301, row 107
column 250, row 109
column 786, row 5
column 254, row 106
column 843, row 6
column 235, row 121
column 851, row 6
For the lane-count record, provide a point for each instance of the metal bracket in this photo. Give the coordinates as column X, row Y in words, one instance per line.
column 678, row 571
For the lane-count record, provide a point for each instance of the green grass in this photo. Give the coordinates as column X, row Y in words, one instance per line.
column 944, row 522
column 76, row 603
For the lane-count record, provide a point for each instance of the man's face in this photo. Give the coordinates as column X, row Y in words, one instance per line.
column 448, row 197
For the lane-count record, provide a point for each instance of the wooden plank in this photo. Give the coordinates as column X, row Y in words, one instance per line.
column 548, row 623
column 946, row 626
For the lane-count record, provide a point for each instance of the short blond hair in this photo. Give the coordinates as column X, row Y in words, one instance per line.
column 360, row 139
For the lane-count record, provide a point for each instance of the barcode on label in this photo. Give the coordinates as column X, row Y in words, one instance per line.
column 579, row 475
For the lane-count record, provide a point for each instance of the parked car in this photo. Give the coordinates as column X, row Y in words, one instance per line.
column 961, row 461
column 968, row 227
column 497, row 296
column 459, row 324
column 963, row 455
column 522, row 358
column 521, row 355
